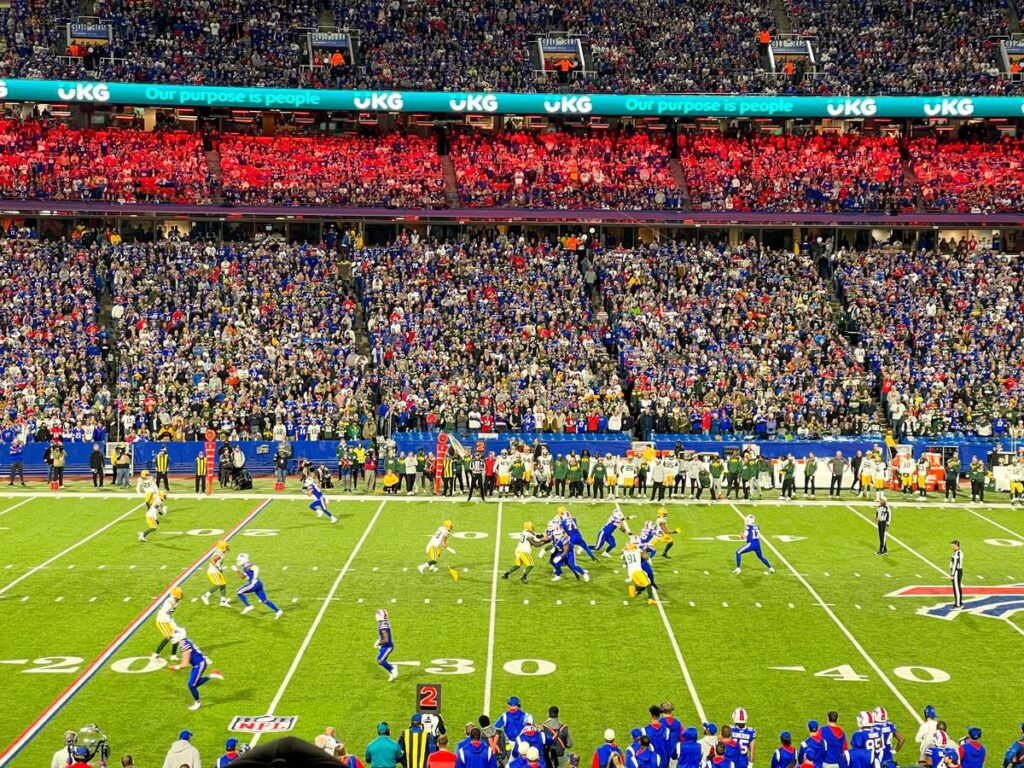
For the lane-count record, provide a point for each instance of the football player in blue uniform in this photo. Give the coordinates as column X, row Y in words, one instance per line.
column 606, row 536
column 563, row 553
column 192, row 657
column 887, row 734
column 942, row 754
column 250, row 573
column 571, row 526
column 385, row 644
column 859, row 754
column 744, row 736
column 752, row 543
column 873, row 743
column 319, row 503
column 649, row 545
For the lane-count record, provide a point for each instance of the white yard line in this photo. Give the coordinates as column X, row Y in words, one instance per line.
column 72, row 548
column 489, row 672
column 26, row 501
column 682, row 662
column 907, row 547
column 843, row 628
column 320, row 617
column 997, row 525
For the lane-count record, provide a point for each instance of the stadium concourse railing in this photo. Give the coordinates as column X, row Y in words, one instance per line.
column 678, row 217
column 260, row 454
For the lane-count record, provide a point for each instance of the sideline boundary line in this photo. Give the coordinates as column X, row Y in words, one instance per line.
column 42, row 720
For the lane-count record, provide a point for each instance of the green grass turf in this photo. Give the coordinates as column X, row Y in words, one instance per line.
column 612, row 657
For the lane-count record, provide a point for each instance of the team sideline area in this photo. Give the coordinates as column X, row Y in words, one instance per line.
column 834, row 627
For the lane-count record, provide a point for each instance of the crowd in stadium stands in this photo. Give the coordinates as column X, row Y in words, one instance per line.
column 496, row 333
column 896, row 47
column 709, row 46
column 392, row 171
column 718, row 340
column 558, row 170
column 831, row 172
column 241, row 336
column 52, row 372
column 40, row 160
column 490, row 333
column 944, row 335
column 820, row 172
column 969, row 177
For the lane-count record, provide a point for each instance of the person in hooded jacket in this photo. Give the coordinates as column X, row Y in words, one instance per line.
column 183, row 753
column 475, row 754
column 512, row 720
column 689, row 752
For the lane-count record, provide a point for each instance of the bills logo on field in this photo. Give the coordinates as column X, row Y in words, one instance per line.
column 994, row 602
column 263, row 724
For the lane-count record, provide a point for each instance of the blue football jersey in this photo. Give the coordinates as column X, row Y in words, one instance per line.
column 752, row 535
column 197, row 657
column 743, row 737
column 384, row 633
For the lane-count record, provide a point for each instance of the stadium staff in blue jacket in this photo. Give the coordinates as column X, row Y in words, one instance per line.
column 231, row 752
column 608, row 755
column 511, row 721
column 689, row 753
column 476, row 754
column 658, row 735
column 812, row 749
column 834, row 739
column 972, row 751
column 785, row 755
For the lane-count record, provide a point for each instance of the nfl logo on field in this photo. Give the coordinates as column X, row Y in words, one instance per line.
column 262, row 724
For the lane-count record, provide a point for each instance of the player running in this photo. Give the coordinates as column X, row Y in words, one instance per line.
column 639, row 583
column 385, row 644
column 192, row 657
column 571, row 526
column 661, row 524
column 606, row 537
column 524, row 552
column 319, row 503
column 155, row 507
column 250, row 573
column 752, row 543
column 146, row 483
column 215, row 575
column 165, row 623
column 438, row 543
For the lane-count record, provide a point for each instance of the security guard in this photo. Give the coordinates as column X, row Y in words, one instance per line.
column 163, row 465
column 201, row 472
column 883, row 516
column 956, row 574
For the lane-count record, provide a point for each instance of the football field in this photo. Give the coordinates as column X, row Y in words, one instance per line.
column 835, row 627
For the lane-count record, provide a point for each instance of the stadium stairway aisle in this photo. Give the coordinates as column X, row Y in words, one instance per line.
column 216, row 180
column 782, row 24
column 680, row 179
column 451, row 184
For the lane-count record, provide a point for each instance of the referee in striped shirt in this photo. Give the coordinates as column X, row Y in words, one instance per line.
column 956, row 574
column 477, row 467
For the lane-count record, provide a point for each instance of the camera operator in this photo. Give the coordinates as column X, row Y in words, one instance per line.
column 64, row 756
